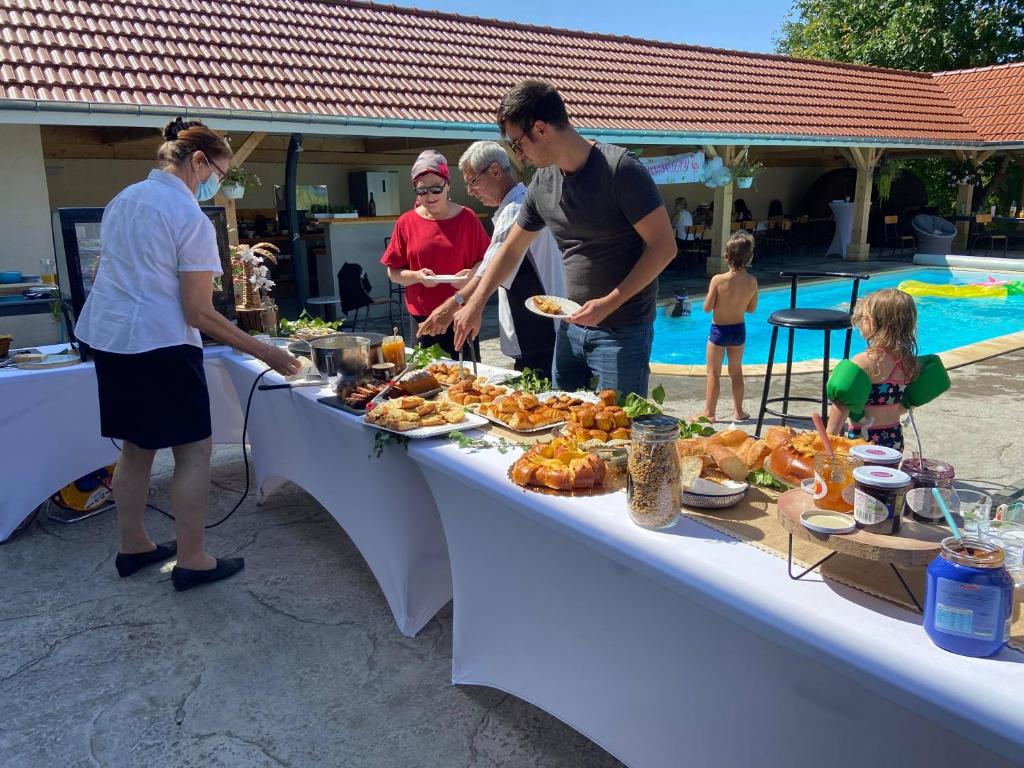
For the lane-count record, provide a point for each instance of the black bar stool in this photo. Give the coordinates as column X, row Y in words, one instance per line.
column 797, row 319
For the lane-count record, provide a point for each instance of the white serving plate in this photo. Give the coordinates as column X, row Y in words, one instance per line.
column 471, row 421
column 568, row 307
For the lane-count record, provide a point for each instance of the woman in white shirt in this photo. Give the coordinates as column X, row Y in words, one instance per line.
column 152, row 295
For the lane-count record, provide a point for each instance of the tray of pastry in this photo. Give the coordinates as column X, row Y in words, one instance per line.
column 416, row 417
column 525, row 412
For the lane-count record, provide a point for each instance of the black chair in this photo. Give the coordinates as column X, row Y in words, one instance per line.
column 982, row 230
column 895, row 239
column 354, row 292
column 396, row 295
column 799, row 319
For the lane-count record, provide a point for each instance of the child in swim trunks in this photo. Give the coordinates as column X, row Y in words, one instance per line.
column 730, row 296
column 887, row 320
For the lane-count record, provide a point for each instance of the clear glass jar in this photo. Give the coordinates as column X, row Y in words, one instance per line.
column 925, row 475
column 653, row 487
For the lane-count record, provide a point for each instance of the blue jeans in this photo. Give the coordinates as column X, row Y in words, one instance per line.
column 619, row 357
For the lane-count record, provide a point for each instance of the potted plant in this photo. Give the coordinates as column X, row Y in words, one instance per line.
column 237, row 181
column 256, row 310
column 885, row 175
column 744, row 170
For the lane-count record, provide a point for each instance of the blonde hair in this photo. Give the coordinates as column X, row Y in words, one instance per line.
column 739, row 250
column 893, row 317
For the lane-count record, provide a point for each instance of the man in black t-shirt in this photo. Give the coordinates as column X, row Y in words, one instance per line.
column 605, row 212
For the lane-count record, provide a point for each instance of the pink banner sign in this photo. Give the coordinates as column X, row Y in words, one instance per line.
column 676, row 169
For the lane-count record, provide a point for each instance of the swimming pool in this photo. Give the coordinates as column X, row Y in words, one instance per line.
column 943, row 324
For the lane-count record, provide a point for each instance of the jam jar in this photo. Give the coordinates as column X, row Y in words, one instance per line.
column 879, row 493
column 926, row 474
column 653, row 487
column 878, row 455
column 968, row 602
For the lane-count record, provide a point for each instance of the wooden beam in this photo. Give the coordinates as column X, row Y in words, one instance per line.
column 710, row 151
column 859, row 249
column 720, row 230
column 965, row 203
column 243, row 152
column 983, row 156
column 412, row 146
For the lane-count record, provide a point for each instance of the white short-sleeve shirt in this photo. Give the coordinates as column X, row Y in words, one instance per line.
column 150, row 233
column 543, row 253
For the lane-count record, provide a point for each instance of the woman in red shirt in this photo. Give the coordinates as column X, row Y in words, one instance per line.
column 436, row 238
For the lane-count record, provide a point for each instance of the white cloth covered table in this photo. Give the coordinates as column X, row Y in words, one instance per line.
column 843, row 213
column 383, row 504
column 688, row 648
column 50, row 423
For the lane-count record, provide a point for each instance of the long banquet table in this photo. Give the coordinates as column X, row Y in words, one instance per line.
column 50, row 427
column 686, row 647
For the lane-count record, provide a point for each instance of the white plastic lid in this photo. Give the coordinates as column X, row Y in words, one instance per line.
column 881, row 477
column 827, row 522
column 876, row 454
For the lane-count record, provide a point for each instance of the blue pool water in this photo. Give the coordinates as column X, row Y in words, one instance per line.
column 942, row 323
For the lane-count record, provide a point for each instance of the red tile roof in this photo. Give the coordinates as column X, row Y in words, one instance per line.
column 353, row 59
column 992, row 98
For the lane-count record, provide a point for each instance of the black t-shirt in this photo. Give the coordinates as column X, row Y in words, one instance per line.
column 591, row 214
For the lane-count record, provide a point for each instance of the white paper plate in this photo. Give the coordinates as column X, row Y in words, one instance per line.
column 568, row 307
column 447, row 279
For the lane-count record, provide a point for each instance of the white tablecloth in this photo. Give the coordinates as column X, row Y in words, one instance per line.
column 689, row 648
column 843, row 213
column 383, row 504
column 50, row 427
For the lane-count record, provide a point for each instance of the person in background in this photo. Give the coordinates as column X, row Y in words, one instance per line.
column 437, row 237
column 528, row 338
column 605, row 212
column 740, row 212
column 152, row 295
column 730, row 296
column 681, row 220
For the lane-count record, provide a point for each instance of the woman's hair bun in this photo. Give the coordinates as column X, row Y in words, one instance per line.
column 176, row 126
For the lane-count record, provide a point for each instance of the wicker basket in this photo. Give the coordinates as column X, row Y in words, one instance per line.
column 714, row 501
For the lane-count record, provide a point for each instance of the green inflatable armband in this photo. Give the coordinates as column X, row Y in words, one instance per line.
column 932, row 380
column 850, row 386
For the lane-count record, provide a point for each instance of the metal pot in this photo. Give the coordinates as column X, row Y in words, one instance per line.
column 341, row 357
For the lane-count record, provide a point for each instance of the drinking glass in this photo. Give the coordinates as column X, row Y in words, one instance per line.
column 1009, row 536
column 47, row 273
column 833, row 481
column 975, row 508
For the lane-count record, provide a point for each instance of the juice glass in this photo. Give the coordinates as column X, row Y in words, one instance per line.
column 975, row 507
column 47, row 273
column 392, row 349
column 833, row 481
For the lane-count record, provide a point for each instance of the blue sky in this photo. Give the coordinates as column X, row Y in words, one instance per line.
column 746, row 25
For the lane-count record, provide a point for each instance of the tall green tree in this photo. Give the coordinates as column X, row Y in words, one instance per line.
column 920, row 35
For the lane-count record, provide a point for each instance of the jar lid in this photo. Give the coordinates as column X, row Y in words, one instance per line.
column 656, row 425
column 881, row 477
column 929, row 466
column 876, row 454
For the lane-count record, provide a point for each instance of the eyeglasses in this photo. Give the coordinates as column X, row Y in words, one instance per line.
column 472, row 182
column 217, row 168
column 421, row 191
column 516, row 144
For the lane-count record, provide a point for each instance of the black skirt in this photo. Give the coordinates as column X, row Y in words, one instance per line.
column 156, row 399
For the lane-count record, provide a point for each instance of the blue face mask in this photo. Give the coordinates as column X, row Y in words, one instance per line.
column 207, row 189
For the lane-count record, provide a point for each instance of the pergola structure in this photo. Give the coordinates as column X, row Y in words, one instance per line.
column 379, row 82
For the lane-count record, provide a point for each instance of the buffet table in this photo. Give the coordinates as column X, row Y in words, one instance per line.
column 50, row 424
column 689, row 647
column 382, row 503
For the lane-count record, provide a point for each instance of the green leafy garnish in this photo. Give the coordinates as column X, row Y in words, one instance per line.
column 699, row 428
column 382, row 439
column 482, row 443
column 423, row 356
column 763, row 479
column 635, row 405
column 307, row 323
column 531, row 382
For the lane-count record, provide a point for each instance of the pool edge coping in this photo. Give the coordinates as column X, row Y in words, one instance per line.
column 957, row 357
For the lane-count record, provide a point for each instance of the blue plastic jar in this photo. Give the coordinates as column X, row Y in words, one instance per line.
column 968, row 598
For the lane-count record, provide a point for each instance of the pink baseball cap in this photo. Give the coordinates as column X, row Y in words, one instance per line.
column 431, row 161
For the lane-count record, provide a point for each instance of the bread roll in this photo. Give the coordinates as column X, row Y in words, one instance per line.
column 730, row 438
column 729, row 462
column 754, row 453
column 694, row 446
column 776, row 436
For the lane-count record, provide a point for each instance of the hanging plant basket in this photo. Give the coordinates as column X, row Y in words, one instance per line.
column 233, row 191
column 744, row 182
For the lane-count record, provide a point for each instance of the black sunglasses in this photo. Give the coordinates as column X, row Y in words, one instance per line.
column 421, row 191
column 514, row 145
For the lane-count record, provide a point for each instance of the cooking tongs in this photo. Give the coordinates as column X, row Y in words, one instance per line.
column 472, row 358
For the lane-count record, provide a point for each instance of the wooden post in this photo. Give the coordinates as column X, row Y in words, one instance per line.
column 866, row 158
column 964, row 203
column 240, row 157
column 721, row 224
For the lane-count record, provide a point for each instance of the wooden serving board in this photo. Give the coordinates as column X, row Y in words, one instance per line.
column 916, row 544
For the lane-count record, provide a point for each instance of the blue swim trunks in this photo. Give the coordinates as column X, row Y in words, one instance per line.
column 728, row 335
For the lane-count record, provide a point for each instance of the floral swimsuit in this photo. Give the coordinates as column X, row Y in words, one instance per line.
column 888, row 392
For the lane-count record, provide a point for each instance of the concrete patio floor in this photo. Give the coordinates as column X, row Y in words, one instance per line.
column 297, row 661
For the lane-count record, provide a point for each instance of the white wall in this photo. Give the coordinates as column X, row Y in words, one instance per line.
column 786, row 184
column 25, row 232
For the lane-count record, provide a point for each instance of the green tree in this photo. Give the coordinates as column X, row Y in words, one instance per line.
column 920, row 35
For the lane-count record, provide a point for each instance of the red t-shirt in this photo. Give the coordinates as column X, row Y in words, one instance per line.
column 447, row 247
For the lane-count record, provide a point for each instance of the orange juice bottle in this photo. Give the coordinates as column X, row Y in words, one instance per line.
column 392, row 348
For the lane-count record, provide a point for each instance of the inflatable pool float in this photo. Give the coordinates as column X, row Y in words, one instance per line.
column 988, row 290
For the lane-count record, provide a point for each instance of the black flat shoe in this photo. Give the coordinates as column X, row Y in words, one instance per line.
column 186, row 578
column 128, row 564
